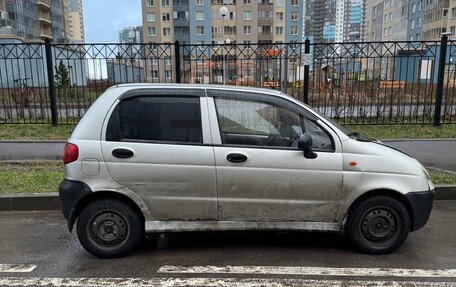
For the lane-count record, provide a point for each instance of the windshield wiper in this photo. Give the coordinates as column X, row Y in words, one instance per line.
column 357, row 136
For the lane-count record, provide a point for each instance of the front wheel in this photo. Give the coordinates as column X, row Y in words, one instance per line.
column 378, row 225
column 109, row 228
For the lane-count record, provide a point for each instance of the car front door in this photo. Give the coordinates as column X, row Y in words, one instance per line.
column 157, row 144
column 261, row 174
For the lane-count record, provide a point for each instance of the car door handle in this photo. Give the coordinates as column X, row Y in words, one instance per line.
column 236, row 157
column 122, row 153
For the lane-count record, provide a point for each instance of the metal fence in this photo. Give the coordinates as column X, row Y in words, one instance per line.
column 355, row 83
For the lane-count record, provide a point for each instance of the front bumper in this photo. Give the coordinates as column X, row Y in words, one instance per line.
column 71, row 192
column 421, row 204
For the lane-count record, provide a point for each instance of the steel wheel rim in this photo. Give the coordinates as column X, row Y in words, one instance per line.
column 380, row 226
column 108, row 229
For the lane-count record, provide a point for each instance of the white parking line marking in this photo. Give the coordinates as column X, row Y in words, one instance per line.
column 213, row 282
column 17, row 268
column 315, row 271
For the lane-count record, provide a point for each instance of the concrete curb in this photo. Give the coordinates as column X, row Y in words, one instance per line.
column 30, row 201
column 51, row 201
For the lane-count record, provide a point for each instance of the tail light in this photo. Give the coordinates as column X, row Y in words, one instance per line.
column 70, row 153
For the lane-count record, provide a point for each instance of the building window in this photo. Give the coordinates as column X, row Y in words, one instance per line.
column 199, row 30
column 294, row 2
column 445, row 12
column 279, row 16
column 419, row 22
column 294, row 30
column 419, row 5
column 166, row 31
column 166, row 17
column 168, row 74
column 151, row 31
column 413, row 10
column 199, row 16
column 294, row 16
column 168, row 61
column 247, row 30
column 150, row 17
column 247, row 15
column 247, row 2
column 149, row 3
column 279, row 30
column 165, row 3
column 154, row 74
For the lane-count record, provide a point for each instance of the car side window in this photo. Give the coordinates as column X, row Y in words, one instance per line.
column 320, row 138
column 251, row 122
column 150, row 119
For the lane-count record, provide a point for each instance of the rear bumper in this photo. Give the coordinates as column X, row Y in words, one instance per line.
column 71, row 192
column 421, row 204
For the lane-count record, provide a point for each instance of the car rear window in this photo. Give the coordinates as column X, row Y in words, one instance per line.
column 151, row 119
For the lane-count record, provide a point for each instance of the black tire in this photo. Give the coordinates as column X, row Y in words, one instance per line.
column 109, row 228
column 377, row 225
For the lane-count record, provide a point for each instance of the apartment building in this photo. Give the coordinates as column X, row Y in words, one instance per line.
column 374, row 21
column 33, row 20
column 350, row 17
column 75, row 21
column 200, row 22
column 436, row 16
column 415, row 20
column 320, row 20
column 452, row 19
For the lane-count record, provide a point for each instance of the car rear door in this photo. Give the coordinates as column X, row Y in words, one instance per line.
column 157, row 144
column 261, row 174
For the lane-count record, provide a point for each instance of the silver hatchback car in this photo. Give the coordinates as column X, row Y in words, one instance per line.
column 167, row 158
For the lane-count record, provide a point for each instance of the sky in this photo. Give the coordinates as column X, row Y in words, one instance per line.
column 104, row 18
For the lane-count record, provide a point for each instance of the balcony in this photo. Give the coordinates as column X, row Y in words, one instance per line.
column 44, row 4
column 46, row 32
column 45, row 18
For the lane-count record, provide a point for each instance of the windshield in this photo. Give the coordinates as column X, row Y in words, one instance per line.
column 336, row 124
column 351, row 134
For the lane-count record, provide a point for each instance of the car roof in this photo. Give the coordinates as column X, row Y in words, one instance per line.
column 199, row 86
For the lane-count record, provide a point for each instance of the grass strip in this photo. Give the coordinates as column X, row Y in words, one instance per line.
column 24, row 177
column 405, row 131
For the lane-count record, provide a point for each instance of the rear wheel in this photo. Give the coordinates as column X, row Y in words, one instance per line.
column 378, row 225
column 109, row 228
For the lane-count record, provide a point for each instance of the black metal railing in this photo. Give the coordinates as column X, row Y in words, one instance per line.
column 355, row 83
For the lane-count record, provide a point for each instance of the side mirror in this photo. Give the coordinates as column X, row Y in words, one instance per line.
column 305, row 144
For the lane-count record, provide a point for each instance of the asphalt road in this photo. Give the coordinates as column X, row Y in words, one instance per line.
column 55, row 258
column 432, row 153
